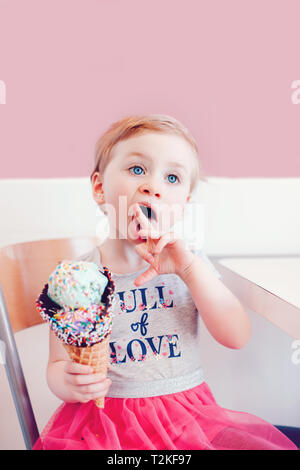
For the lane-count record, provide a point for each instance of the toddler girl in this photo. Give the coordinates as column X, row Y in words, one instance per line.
column 156, row 396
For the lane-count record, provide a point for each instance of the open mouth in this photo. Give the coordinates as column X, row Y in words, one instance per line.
column 148, row 212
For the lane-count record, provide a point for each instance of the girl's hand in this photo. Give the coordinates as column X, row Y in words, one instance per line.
column 82, row 384
column 165, row 252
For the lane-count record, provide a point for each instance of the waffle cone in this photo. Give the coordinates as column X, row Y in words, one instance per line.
column 96, row 356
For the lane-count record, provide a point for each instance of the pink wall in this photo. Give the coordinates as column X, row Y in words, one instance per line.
column 223, row 67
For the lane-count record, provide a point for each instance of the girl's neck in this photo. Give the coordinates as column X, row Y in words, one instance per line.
column 120, row 256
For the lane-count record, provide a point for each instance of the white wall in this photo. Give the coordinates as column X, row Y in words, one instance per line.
column 241, row 216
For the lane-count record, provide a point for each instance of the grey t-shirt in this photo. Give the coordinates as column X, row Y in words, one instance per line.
column 154, row 344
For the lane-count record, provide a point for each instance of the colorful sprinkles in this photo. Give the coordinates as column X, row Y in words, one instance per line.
column 82, row 326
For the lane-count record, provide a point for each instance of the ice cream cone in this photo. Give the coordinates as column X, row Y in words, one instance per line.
column 81, row 314
column 96, row 356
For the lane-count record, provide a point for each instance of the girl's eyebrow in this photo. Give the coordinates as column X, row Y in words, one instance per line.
column 139, row 154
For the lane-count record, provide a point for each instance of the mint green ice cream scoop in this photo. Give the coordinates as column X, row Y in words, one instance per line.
column 76, row 284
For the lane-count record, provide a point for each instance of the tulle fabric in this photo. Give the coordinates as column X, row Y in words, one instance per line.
column 185, row 420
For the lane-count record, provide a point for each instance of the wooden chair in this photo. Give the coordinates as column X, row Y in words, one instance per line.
column 24, row 269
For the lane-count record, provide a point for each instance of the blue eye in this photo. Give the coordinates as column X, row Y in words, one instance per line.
column 137, row 170
column 133, row 168
column 174, row 177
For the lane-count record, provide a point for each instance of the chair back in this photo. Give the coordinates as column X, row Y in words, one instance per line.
column 24, row 270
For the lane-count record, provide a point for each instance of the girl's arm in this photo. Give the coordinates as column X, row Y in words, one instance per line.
column 222, row 313
column 69, row 381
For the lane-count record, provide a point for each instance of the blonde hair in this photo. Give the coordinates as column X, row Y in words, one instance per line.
column 135, row 125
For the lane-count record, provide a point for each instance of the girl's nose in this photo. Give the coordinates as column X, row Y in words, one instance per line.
column 148, row 189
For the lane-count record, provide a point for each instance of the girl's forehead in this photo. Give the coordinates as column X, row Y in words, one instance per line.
column 156, row 146
column 158, row 139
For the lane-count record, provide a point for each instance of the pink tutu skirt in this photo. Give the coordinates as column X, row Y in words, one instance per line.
column 184, row 421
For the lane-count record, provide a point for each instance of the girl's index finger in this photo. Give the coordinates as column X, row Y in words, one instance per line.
column 143, row 220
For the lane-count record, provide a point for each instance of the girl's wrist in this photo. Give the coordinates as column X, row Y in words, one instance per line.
column 187, row 270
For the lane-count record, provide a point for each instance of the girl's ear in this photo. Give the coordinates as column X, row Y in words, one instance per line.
column 97, row 186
